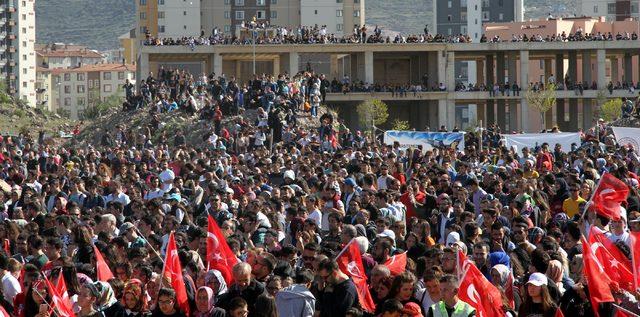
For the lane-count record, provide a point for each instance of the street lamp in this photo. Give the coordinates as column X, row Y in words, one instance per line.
column 254, row 27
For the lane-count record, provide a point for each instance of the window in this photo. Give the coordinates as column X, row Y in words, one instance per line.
column 90, row 84
column 107, row 88
column 239, row 2
column 67, row 102
column 106, row 75
column 611, row 8
column 227, row 15
column 143, row 15
column 449, row 31
column 449, row 17
column 500, row 16
column 184, row 12
column 24, row 3
column 634, row 8
column 356, row 13
column 160, row 14
column 67, row 89
column 339, row 27
column 261, row 14
column 24, row 43
column 260, row 2
column 500, row 3
column 67, row 77
column 485, row 3
column 274, row 1
column 339, row 13
column 227, row 28
column 24, row 71
column 80, row 89
column 143, row 29
column 239, row 15
column 161, row 29
column 24, row 30
column 463, row 17
column 80, row 101
column 339, row 1
column 541, row 64
column 463, row 3
column 24, row 16
column 121, row 75
column 227, row 2
column 449, row 4
column 24, row 57
column 161, row 2
column 143, row 2
column 595, row 8
column 80, row 77
column 274, row 14
column 485, row 15
column 315, row 12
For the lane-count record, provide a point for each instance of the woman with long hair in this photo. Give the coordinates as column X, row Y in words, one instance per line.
column 37, row 299
column 403, row 288
column 537, row 300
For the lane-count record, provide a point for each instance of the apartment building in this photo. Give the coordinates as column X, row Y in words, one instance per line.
column 71, row 91
column 613, row 10
column 59, row 55
column 176, row 18
column 17, row 40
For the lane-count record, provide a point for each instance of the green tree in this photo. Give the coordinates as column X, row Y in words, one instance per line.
column 542, row 99
column 400, row 125
column 611, row 110
column 97, row 107
column 372, row 113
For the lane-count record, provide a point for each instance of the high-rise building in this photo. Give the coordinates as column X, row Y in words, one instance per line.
column 453, row 17
column 177, row 18
column 17, row 41
column 613, row 10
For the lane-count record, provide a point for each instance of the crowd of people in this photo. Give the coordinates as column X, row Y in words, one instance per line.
column 578, row 36
column 288, row 207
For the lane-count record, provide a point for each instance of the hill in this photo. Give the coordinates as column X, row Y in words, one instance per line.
column 98, row 23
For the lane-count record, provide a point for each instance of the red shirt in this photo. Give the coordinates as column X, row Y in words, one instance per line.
column 411, row 211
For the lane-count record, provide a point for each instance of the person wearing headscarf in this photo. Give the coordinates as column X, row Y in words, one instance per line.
column 496, row 258
column 555, row 274
column 501, row 276
column 205, row 304
column 214, row 280
column 135, row 299
column 107, row 301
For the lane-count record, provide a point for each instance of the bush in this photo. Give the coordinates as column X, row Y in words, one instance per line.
column 372, row 111
column 611, row 110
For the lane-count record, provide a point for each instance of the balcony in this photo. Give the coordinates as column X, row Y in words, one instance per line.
column 11, row 36
column 12, row 49
column 12, row 22
column 11, row 9
column 12, row 63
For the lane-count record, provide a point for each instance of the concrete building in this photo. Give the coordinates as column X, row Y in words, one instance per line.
column 129, row 46
column 168, row 18
column 60, row 55
column 70, row 91
column 454, row 17
column 406, row 63
column 613, row 10
column 18, row 36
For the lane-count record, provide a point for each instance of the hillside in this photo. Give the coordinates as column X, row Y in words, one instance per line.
column 98, row 23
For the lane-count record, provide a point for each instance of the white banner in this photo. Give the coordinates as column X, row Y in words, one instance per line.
column 626, row 136
column 531, row 140
column 428, row 140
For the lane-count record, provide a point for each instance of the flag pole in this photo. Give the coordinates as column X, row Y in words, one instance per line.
column 624, row 310
column 588, row 204
column 43, row 298
column 344, row 249
column 148, row 244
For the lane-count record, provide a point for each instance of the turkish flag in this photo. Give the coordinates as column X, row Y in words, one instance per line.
column 219, row 254
column 598, row 281
column 559, row 313
column 350, row 263
column 608, row 196
column 172, row 272
column 7, row 246
column 397, row 263
column 615, row 263
column 635, row 256
column 60, row 297
column 478, row 292
column 102, row 269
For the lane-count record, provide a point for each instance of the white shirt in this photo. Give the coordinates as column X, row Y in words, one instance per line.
column 316, row 216
column 10, row 287
column 122, row 197
column 158, row 193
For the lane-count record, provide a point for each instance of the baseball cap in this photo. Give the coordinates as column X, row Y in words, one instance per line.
column 537, row 279
column 125, row 226
column 350, row 182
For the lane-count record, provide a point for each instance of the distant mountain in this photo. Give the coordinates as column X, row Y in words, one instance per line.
column 99, row 23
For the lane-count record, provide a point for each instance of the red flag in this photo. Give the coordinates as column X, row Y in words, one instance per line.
column 478, row 292
column 7, row 246
column 559, row 313
column 614, row 262
column 102, row 269
column 60, row 297
column 598, row 282
column 219, row 254
column 635, row 256
column 508, row 291
column 608, row 196
column 350, row 263
column 172, row 272
column 397, row 263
